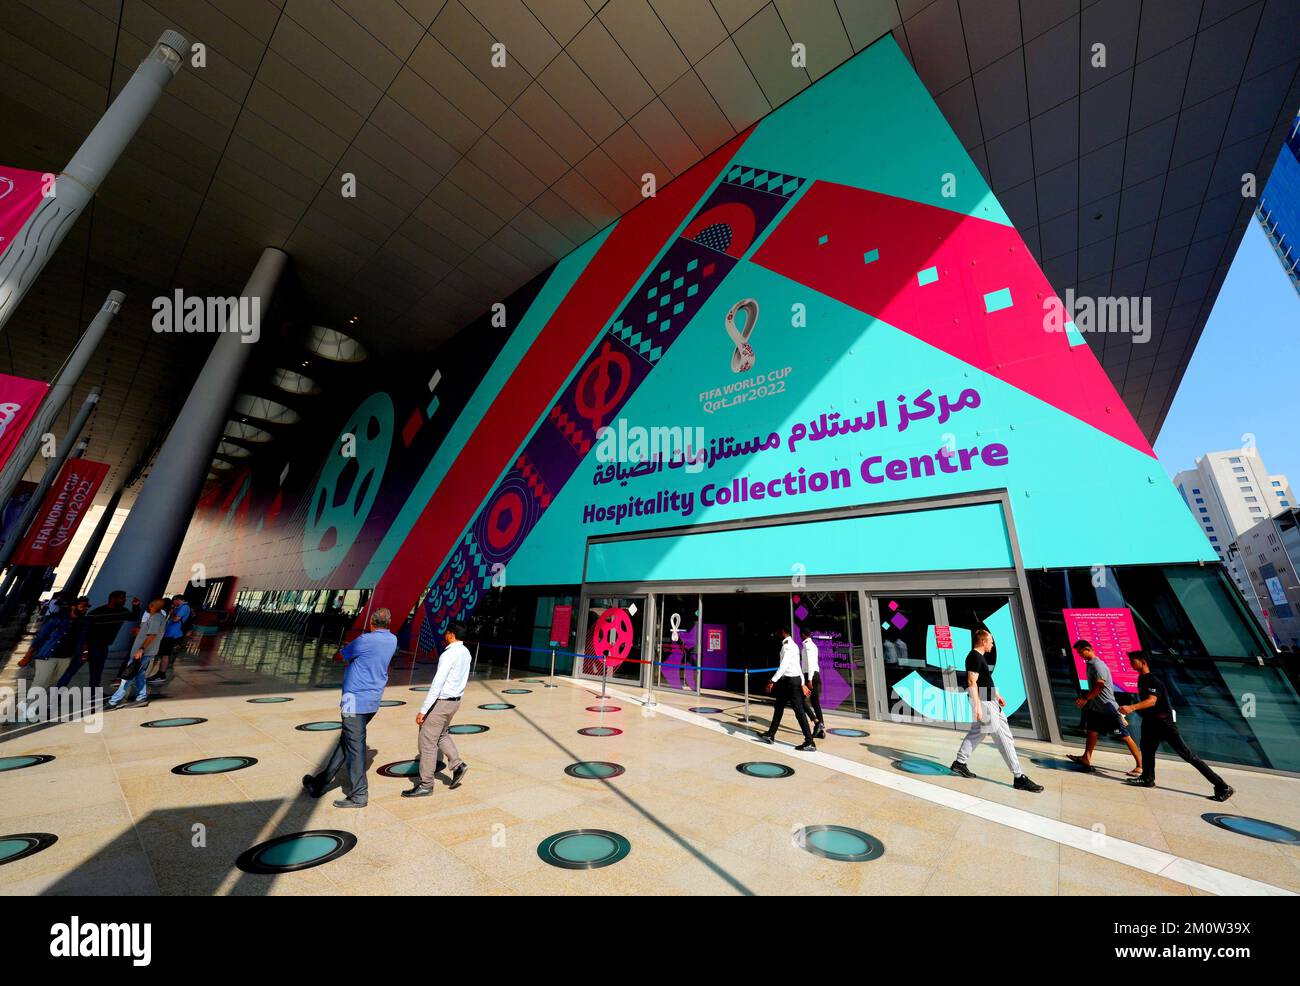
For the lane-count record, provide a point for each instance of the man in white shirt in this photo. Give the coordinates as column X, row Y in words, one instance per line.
column 813, row 675
column 434, row 718
column 788, row 687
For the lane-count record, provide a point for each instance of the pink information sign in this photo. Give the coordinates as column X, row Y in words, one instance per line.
column 1112, row 635
column 561, row 621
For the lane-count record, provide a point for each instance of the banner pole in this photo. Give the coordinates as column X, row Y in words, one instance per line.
column 38, row 238
column 51, row 471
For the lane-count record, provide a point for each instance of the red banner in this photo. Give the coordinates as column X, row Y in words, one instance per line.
column 19, row 399
column 66, row 502
column 20, row 193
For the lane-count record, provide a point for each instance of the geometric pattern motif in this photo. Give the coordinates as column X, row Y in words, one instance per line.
column 655, row 315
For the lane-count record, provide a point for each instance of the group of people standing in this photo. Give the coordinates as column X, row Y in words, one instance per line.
column 364, row 680
column 73, row 635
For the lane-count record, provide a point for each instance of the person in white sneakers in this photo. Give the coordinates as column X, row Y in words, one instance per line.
column 986, row 706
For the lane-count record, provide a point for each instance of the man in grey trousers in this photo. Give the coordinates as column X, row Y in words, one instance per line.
column 986, row 706
column 434, row 718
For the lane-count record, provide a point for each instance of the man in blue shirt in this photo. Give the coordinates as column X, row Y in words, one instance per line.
column 364, row 681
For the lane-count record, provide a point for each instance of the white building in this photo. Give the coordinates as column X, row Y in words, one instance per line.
column 1230, row 492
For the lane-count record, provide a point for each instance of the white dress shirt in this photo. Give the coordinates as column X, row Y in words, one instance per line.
column 810, row 665
column 789, row 662
column 453, row 673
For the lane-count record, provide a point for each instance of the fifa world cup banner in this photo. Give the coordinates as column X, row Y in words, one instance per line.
column 19, row 399
column 65, row 504
column 20, row 193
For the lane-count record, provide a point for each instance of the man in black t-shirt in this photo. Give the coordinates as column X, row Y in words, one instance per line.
column 1159, row 723
column 105, row 622
column 986, row 707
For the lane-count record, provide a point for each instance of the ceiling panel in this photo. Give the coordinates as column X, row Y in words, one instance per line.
column 472, row 178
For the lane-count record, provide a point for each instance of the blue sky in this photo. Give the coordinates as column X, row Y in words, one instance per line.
column 1244, row 373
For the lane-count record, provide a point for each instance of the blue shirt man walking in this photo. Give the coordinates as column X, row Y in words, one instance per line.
column 364, row 681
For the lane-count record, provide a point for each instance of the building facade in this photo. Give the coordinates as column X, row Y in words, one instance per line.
column 809, row 385
column 1278, row 211
column 1230, row 492
column 1269, row 553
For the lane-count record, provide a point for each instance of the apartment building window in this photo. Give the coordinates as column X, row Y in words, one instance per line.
column 1276, row 483
column 1203, row 510
column 1235, row 458
column 1285, row 503
column 1238, row 468
column 1196, row 491
column 1214, row 540
column 1256, row 510
column 1202, row 500
column 1251, row 499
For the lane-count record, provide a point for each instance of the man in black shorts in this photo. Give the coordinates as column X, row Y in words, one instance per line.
column 1100, row 710
column 1160, row 724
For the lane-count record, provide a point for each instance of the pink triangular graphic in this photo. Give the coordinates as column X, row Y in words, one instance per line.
column 946, row 278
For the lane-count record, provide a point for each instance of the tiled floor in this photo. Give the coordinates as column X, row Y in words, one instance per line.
column 126, row 824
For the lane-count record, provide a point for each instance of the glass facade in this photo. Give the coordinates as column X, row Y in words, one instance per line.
column 1234, row 700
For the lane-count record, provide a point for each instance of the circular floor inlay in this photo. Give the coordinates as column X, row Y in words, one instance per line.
column 464, row 728
column 762, row 768
column 214, row 765
column 323, row 726
column 704, row 710
column 29, row 760
column 839, row 843
column 388, row 703
column 496, row 706
column 584, row 849
column 174, row 721
column 403, row 768
column 299, row 851
column 419, row 688
column 594, row 770
column 517, row 691
column 1256, row 828
column 928, row 767
column 269, row 700
column 24, row 844
column 599, row 731
column 532, row 681
column 604, row 708
column 842, row 731
column 329, row 684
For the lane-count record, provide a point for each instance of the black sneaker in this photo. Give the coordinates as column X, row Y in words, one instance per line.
column 1223, row 793
column 1140, row 782
column 457, row 775
column 960, row 769
column 764, row 738
column 309, row 785
column 419, row 791
column 819, row 732
column 1023, row 783
column 806, row 747
column 348, row 803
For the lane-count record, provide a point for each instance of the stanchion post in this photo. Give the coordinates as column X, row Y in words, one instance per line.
column 747, row 719
column 650, row 702
column 474, row 667
column 604, row 677
column 552, row 662
column 510, row 656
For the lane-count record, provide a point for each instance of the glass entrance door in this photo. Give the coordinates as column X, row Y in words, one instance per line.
column 679, row 643
column 921, row 643
column 615, row 637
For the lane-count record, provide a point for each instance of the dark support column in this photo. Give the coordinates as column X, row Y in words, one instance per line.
column 145, row 551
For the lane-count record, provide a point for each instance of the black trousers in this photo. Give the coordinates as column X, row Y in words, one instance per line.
column 815, row 697
column 351, row 750
column 1154, row 732
column 787, row 690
